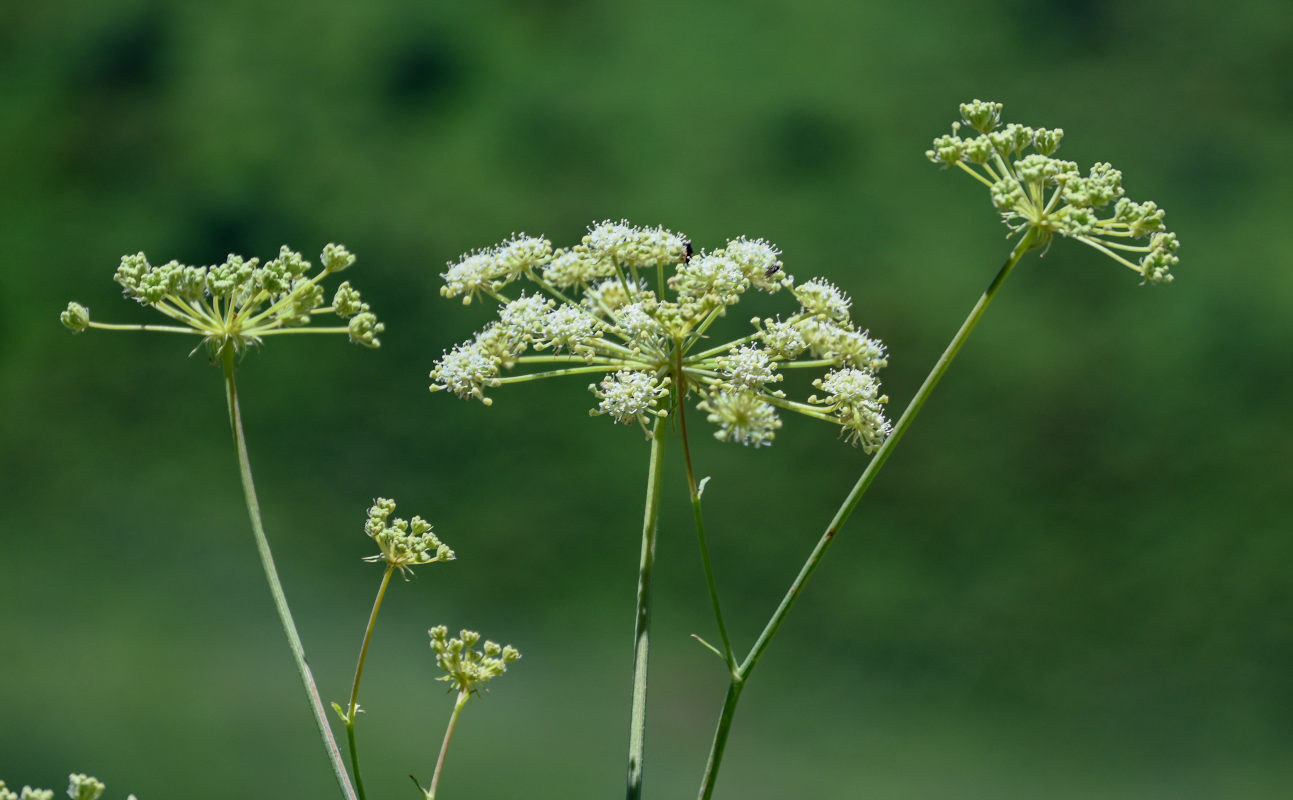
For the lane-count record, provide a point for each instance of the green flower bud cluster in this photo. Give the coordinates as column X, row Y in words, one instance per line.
column 1036, row 192
column 635, row 305
column 465, row 667
column 83, row 787
column 240, row 301
column 79, row 787
column 75, row 318
column 403, row 543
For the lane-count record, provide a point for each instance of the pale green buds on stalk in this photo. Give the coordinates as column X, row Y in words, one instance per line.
column 403, row 543
column 80, row 787
column 83, row 787
column 1044, row 196
column 240, row 301
column 28, row 793
column 467, row 669
column 636, row 304
column 76, row 318
column 336, row 257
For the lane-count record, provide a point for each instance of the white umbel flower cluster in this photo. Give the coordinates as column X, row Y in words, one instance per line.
column 635, row 305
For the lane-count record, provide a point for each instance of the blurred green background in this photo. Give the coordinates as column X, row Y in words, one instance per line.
column 1071, row 581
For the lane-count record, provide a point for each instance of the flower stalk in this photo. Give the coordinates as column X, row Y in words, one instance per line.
column 742, row 673
column 642, row 615
column 352, row 708
column 232, row 306
column 276, row 586
column 467, row 670
column 695, row 491
column 463, row 697
column 402, row 544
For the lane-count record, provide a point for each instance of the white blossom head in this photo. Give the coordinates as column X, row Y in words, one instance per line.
column 639, row 306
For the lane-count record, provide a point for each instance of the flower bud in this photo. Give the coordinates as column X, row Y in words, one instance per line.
column 76, row 318
column 336, row 257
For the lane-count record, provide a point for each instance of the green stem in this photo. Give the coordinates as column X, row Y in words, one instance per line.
column 715, row 760
column 275, row 587
column 352, row 710
column 846, row 508
column 444, row 748
column 642, row 623
column 700, row 538
column 110, row 326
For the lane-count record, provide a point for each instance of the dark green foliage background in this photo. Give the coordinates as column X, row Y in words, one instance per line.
column 1071, row 581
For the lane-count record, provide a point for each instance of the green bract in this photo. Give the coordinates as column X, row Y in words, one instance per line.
column 240, row 301
column 1034, row 191
column 635, row 305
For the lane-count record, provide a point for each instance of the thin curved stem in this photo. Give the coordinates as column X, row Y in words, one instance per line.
column 352, row 710
column 728, row 656
column 846, row 508
column 276, row 587
column 642, row 619
column 444, row 747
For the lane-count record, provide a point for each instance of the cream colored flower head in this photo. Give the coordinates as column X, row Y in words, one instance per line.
column 636, row 308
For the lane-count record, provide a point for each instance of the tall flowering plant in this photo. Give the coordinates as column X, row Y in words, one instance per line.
column 635, row 307
column 637, row 311
column 235, row 306
column 638, row 307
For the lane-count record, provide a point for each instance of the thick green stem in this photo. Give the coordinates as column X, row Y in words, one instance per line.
column 642, row 624
column 275, row 587
column 846, row 508
column 720, row 735
column 444, row 747
column 352, row 710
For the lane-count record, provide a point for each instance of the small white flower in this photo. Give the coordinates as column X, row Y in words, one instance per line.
column 635, row 247
column 748, row 369
column 605, row 238
column 630, row 396
column 742, row 417
column 711, row 279
column 820, row 296
column 524, row 317
column 473, row 274
column 638, row 327
column 570, row 327
column 853, row 395
column 760, row 262
column 845, row 346
column 522, row 254
column 782, row 339
column 576, row 267
column 466, row 371
column 611, row 294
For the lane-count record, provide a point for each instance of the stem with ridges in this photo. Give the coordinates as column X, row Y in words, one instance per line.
column 642, row 620
column 275, row 587
column 846, row 508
